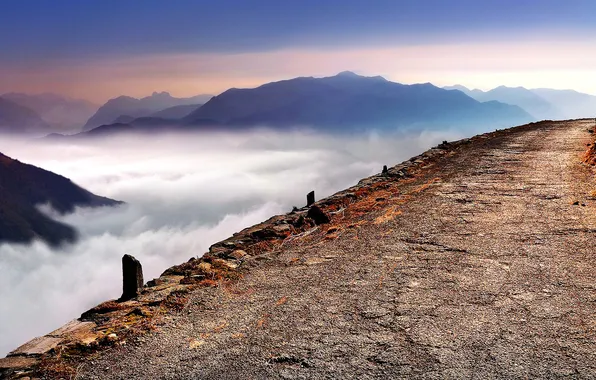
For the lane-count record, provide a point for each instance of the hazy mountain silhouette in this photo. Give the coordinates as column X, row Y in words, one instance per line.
column 123, row 119
column 60, row 112
column 465, row 90
column 139, row 125
column 17, row 119
column 348, row 101
column 571, row 104
column 528, row 100
column 133, row 107
column 176, row 112
column 23, row 187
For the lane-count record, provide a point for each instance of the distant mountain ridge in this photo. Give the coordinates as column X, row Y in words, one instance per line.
column 572, row 104
column 176, row 112
column 23, row 187
column 59, row 112
column 134, row 108
column 18, row 119
column 531, row 102
column 543, row 103
column 348, row 101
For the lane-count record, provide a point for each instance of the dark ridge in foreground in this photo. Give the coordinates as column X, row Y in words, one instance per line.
column 23, row 187
column 471, row 260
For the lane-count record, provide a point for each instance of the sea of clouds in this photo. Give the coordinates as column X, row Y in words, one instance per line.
column 182, row 193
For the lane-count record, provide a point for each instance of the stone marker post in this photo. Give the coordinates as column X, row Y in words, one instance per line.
column 384, row 169
column 132, row 277
column 310, row 198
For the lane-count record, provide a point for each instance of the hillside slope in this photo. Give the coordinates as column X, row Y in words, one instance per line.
column 472, row 260
column 23, row 187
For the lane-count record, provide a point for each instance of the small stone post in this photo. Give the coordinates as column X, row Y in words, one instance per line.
column 310, row 198
column 384, row 169
column 132, row 277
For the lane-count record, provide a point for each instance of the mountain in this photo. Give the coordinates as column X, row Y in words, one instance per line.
column 147, row 124
column 134, row 108
column 176, row 112
column 61, row 113
column 23, row 187
column 471, row 93
column 571, row 104
column 528, row 100
column 17, row 119
column 351, row 102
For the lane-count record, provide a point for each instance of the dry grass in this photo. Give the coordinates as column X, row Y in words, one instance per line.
column 389, row 215
column 426, row 185
column 281, row 301
column 107, row 307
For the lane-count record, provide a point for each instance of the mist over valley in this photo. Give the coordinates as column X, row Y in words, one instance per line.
column 183, row 192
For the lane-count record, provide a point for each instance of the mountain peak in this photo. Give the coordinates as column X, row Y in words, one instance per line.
column 348, row 74
column 351, row 74
column 503, row 87
column 346, row 102
column 457, row 87
column 163, row 93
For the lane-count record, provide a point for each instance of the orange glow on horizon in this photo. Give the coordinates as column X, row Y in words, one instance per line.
column 559, row 65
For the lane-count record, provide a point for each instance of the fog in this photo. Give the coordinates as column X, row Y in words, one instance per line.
column 182, row 193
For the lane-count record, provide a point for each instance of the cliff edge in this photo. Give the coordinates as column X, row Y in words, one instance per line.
column 474, row 259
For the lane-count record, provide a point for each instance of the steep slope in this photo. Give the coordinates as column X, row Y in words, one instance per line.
column 348, row 101
column 16, row 119
column 132, row 107
column 472, row 260
column 60, row 112
column 23, row 187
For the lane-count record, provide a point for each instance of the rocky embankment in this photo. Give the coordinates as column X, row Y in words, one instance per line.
column 472, row 259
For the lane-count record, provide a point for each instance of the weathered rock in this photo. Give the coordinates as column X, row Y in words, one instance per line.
column 76, row 331
column 20, row 362
column 37, row 346
column 310, row 198
column 298, row 222
column 132, row 277
column 225, row 263
column 318, row 215
column 155, row 282
column 385, row 169
column 237, row 254
column 282, row 229
column 204, row 267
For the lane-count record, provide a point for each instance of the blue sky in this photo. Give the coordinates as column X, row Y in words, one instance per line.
column 38, row 35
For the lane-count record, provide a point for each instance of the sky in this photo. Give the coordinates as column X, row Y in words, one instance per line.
column 101, row 49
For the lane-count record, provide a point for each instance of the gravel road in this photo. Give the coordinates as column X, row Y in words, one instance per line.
column 479, row 267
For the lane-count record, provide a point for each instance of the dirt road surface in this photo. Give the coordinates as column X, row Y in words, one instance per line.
column 479, row 267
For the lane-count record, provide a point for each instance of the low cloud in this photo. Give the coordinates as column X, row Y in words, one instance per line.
column 183, row 193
